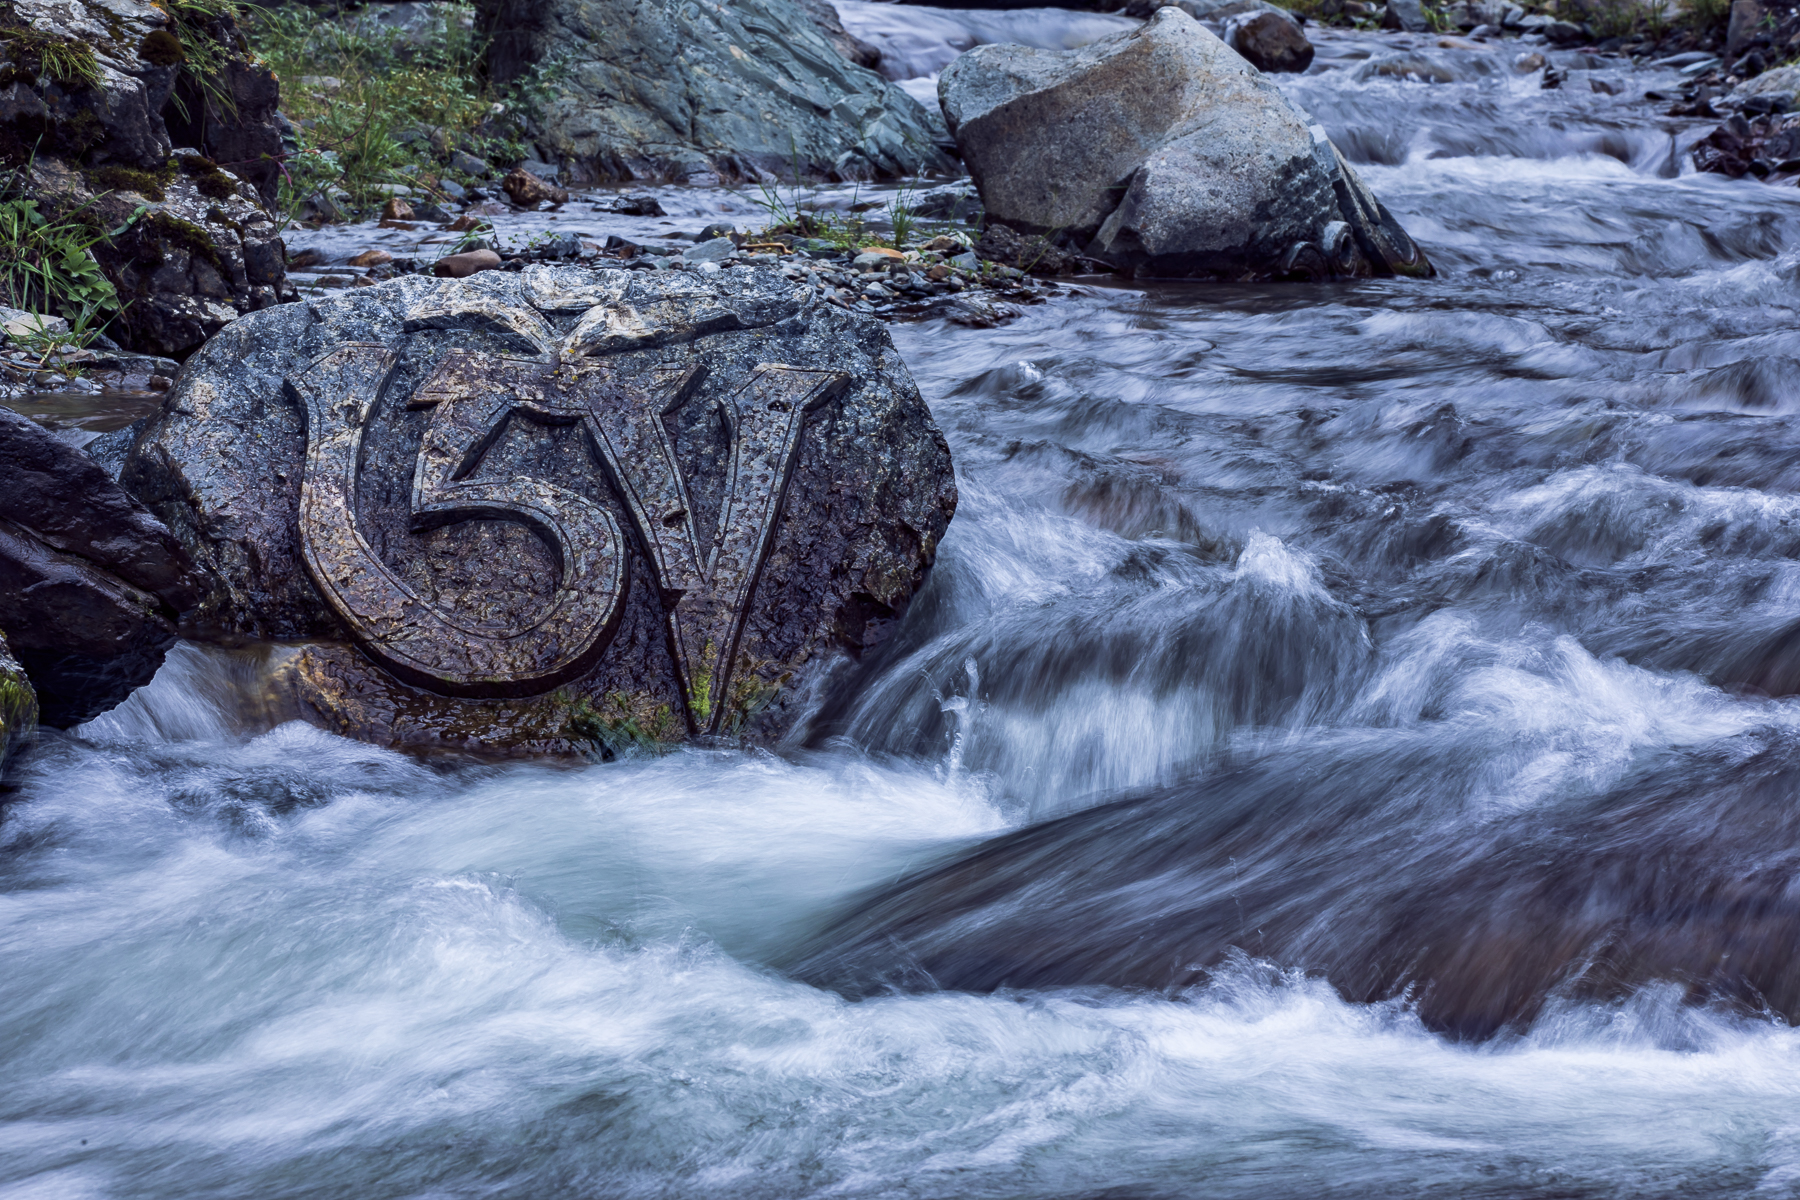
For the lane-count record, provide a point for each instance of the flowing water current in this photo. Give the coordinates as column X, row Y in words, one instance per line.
column 1372, row 703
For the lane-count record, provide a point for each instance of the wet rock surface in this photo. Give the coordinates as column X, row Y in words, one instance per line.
column 1173, row 157
column 700, row 93
column 91, row 584
column 557, row 506
column 1765, row 147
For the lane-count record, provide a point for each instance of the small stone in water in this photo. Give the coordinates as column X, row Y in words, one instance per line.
column 371, row 258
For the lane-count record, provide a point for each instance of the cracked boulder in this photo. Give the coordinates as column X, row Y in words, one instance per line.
column 559, row 508
column 1163, row 152
column 698, row 93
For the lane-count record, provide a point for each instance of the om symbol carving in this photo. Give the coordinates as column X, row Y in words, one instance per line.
column 706, row 586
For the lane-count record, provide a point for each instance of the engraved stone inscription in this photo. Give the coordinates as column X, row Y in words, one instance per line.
column 411, row 637
column 706, row 585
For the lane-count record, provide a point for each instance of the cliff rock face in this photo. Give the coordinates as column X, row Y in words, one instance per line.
column 698, row 92
column 114, row 111
column 523, row 511
column 1163, row 151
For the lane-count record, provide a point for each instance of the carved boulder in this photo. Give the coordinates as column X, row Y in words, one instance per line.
column 526, row 511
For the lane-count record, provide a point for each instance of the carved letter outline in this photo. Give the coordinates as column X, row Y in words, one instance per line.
column 706, row 588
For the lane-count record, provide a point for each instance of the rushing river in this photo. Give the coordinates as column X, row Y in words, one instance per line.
column 1440, row 627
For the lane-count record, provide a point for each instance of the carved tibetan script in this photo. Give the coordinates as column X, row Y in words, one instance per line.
column 706, row 586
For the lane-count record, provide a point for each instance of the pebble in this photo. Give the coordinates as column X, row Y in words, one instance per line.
column 461, row 266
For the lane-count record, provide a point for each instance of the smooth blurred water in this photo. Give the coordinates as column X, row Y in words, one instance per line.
column 1521, row 536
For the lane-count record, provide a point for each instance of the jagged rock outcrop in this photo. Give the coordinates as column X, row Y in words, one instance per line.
column 663, row 89
column 1162, row 151
column 103, row 111
column 825, row 18
column 91, row 585
column 524, row 511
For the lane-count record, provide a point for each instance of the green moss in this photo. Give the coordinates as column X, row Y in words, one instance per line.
column 162, row 49
column 185, row 235
column 624, row 724
column 18, row 708
column 129, row 179
column 212, row 182
column 700, row 693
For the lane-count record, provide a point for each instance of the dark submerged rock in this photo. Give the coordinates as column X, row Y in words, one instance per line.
column 90, row 583
column 1314, row 861
column 1270, row 41
column 466, row 489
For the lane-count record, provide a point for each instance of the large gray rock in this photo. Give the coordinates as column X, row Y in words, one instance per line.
column 666, row 89
column 91, row 584
column 1162, row 151
column 525, row 510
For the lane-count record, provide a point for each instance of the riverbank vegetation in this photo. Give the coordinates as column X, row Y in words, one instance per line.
column 377, row 107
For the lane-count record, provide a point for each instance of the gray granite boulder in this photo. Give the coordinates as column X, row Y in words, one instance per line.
column 91, row 585
column 664, row 89
column 531, row 510
column 1162, row 151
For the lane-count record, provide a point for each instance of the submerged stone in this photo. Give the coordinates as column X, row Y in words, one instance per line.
column 526, row 510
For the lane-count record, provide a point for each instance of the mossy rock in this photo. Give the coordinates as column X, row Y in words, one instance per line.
column 18, row 704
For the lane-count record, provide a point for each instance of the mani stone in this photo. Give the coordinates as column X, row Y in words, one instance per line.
column 529, row 510
column 1163, row 152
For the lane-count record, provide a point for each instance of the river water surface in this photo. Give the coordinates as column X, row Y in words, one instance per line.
column 1405, row 589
